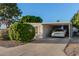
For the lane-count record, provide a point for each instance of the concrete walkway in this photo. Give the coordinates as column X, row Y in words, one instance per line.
column 36, row 48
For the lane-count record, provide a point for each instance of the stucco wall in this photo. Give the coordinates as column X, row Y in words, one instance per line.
column 39, row 34
column 46, row 30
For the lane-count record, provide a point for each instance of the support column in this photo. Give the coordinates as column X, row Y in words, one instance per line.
column 70, row 31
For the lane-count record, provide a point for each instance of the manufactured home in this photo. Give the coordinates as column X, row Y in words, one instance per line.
column 44, row 30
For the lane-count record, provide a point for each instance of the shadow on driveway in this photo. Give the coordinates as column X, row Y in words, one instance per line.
column 52, row 40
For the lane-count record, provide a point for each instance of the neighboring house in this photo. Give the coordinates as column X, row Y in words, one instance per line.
column 4, row 24
column 43, row 29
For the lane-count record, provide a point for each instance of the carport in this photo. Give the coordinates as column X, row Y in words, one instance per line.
column 47, row 27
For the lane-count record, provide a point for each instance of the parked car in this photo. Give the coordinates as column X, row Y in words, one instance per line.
column 58, row 33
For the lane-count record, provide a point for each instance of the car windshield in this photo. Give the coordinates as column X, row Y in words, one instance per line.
column 58, row 30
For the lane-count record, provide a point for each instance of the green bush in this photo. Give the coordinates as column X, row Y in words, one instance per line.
column 21, row 32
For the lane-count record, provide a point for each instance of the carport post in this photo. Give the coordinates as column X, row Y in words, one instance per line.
column 70, row 31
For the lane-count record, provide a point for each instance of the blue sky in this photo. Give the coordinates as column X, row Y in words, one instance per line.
column 50, row 12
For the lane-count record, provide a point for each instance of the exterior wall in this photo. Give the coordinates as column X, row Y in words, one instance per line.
column 38, row 30
column 46, row 30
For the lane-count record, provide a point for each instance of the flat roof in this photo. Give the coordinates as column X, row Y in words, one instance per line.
column 54, row 23
column 57, row 23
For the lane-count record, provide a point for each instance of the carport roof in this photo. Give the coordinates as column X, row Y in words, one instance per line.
column 57, row 23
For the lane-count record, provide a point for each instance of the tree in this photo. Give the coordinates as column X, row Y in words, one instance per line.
column 75, row 20
column 58, row 21
column 9, row 11
column 32, row 19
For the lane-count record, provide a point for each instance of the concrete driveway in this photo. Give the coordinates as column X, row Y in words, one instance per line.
column 52, row 47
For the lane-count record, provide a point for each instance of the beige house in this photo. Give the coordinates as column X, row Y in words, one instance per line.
column 43, row 29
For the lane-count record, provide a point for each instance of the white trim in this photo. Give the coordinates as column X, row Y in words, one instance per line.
column 62, row 23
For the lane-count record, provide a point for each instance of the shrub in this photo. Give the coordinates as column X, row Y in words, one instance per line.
column 21, row 32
